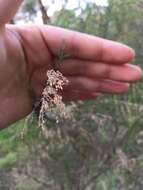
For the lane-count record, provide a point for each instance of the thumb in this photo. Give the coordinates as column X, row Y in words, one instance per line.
column 8, row 9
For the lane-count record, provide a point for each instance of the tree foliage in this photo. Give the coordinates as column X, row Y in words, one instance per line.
column 101, row 146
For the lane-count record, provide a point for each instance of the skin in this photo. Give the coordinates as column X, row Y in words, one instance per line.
column 94, row 65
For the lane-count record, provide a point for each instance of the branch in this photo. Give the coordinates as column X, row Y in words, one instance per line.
column 42, row 182
column 94, row 178
column 45, row 16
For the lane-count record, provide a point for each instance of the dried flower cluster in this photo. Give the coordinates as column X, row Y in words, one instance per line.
column 52, row 105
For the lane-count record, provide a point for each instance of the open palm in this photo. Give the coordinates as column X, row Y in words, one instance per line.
column 93, row 64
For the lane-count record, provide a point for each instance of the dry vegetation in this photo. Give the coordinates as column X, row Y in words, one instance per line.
column 99, row 147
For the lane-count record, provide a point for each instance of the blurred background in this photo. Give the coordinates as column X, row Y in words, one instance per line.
column 101, row 146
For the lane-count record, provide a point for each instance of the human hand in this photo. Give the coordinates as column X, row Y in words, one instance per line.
column 94, row 65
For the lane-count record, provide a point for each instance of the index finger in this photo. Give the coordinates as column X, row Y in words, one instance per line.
column 84, row 46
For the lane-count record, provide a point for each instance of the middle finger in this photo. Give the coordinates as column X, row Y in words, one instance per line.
column 123, row 73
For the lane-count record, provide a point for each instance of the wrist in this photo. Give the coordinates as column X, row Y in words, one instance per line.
column 13, row 109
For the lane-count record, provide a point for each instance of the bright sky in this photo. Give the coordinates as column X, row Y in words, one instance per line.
column 71, row 4
column 57, row 5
